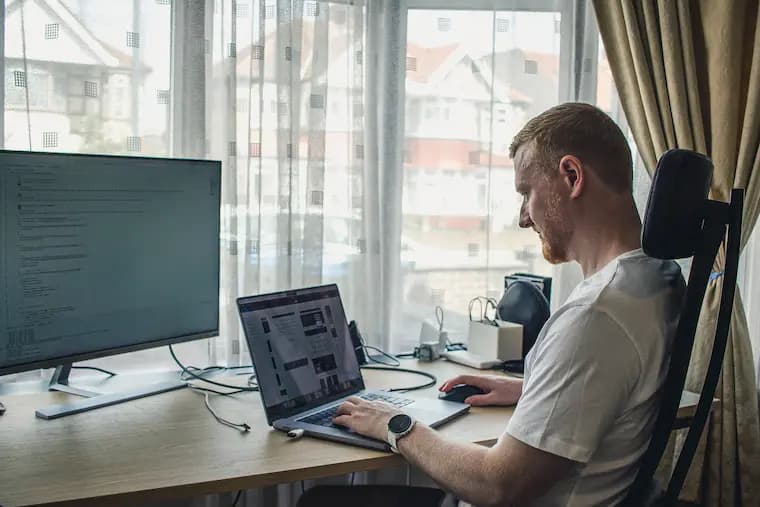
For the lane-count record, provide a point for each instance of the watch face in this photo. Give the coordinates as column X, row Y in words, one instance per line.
column 399, row 423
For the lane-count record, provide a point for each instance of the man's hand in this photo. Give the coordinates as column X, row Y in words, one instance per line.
column 368, row 418
column 498, row 390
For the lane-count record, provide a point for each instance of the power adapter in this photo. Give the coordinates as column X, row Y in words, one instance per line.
column 433, row 341
column 433, row 332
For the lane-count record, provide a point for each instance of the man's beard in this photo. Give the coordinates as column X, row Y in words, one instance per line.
column 556, row 233
column 553, row 252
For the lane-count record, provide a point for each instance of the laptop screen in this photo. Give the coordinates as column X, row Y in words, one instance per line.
column 301, row 349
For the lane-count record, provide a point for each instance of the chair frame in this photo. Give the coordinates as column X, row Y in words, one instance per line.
column 719, row 220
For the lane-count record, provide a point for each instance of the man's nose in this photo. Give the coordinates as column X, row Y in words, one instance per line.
column 524, row 221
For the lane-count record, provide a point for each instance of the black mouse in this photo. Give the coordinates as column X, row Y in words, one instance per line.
column 460, row 393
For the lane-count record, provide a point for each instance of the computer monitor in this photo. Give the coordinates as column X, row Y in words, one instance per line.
column 103, row 255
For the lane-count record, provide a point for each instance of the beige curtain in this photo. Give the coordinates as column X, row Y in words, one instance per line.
column 688, row 75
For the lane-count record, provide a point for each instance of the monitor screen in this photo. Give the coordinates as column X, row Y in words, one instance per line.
column 103, row 255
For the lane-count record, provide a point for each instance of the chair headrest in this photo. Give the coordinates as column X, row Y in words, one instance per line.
column 673, row 217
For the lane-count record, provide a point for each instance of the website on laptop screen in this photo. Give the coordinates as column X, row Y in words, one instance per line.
column 301, row 349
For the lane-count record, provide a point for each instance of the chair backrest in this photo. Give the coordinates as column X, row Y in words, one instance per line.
column 680, row 221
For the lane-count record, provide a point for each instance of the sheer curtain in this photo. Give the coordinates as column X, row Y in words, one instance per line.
column 285, row 112
column 362, row 144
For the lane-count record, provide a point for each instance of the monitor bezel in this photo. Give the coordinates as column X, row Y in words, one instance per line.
column 161, row 342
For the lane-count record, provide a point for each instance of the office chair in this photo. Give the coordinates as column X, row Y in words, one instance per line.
column 680, row 221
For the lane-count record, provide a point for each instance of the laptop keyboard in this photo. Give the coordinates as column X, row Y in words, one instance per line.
column 325, row 417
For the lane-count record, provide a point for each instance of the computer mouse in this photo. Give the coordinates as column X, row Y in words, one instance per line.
column 460, row 393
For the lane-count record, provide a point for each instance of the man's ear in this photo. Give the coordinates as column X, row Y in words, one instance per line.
column 572, row 174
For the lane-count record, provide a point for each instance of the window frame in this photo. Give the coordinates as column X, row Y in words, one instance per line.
column 570, row 45
column 567, row 19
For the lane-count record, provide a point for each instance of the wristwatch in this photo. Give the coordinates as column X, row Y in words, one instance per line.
column 399, row 426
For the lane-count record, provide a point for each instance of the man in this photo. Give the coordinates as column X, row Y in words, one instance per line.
column 587, row 406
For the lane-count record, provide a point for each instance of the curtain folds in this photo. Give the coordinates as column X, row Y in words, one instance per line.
column 689, row 77
column 285, row 106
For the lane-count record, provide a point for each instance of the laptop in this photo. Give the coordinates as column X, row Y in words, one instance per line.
column 306, row 365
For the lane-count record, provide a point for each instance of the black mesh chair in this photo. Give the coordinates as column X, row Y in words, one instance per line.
column 680, row 222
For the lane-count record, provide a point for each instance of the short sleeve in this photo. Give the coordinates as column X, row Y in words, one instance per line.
column 581, row 375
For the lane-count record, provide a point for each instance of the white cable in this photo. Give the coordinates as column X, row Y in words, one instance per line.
column 439, row 318
column 243, row 427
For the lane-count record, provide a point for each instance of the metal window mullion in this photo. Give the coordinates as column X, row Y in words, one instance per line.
column 490, row 146
column 187, row 120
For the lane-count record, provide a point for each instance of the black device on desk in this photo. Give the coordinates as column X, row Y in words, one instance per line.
column 525, row 301
column 357, row 342
column 543, row 283
column 104, row 255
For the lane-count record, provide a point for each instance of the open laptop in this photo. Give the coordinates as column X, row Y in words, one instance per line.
column 306, row 365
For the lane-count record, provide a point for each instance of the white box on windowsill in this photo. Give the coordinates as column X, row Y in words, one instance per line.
column 502, row 341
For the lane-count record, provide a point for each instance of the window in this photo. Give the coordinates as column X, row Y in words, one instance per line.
column 241, row 9
column 92, row 93
column 133, row 39
column 96, row 91
column 488, row 72
column 51, row 31
column 91, row 88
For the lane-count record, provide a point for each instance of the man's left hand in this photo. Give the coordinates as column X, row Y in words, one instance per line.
column 368, row 418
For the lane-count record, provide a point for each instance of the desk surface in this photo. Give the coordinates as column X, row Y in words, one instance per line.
column 169, row 446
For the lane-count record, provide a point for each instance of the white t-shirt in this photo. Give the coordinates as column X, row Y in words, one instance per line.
column 593, row 377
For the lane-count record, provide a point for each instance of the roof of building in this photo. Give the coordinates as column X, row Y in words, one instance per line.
column 50, row 32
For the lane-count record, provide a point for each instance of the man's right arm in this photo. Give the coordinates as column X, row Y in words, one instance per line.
column 499, row 390
column 508, row 474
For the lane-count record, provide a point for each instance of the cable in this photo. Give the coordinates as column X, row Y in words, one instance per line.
column 484, row 303
column 415, row 353
column 212, row 391
column 187, row 371
column 433, row 379
column 94, row 368
column 201, row 371
column 439, row 318
column 393, row 361
column 243, row 427
column 352, row 478
column 237, row 497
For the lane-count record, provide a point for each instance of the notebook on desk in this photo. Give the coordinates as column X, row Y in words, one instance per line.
column 306, row 365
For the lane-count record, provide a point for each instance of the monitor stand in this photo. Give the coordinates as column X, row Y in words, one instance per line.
column 93, row 399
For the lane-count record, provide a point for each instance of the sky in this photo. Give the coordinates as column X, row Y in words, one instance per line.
column 535, row 31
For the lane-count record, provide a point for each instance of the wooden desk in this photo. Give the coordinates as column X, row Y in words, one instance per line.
column 169, row 446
